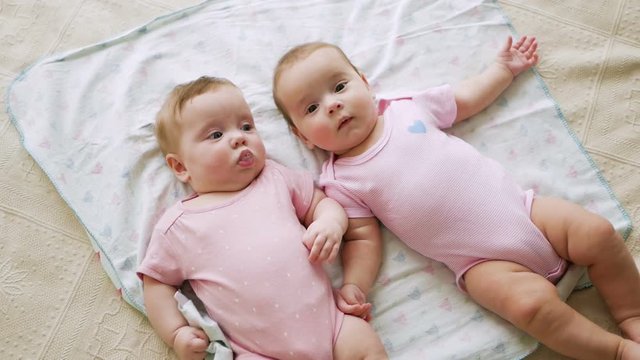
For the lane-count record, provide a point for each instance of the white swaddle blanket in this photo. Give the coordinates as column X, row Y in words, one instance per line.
column 86, row 117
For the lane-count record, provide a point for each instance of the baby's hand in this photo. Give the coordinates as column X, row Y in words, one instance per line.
column 520, row 56
column 190, row 343
column 323, row 238
column 351, row 300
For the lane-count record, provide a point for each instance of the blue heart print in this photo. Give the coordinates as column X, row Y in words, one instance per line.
column 417, row 127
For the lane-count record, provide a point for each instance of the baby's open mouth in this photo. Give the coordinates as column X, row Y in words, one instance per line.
column 246, row 158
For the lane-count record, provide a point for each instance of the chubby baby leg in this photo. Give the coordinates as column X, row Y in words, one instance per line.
column 588, row 239
column 358, row 341
column 531, row 303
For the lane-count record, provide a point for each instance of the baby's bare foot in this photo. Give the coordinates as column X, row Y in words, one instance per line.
column 628, row 350
column 631, row 329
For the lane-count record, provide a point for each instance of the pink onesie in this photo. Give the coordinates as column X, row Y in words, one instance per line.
column 437, row 193
column 245, row 260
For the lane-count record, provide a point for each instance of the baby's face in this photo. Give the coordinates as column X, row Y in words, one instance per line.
column 219, row 145
column 329, row 102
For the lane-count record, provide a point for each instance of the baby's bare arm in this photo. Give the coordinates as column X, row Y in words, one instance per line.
column 326, row 223
column 362, row 253
column 476, row 93
column 188, row 342
column 361, row 258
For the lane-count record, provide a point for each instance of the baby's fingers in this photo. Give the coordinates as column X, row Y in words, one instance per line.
column 531, row 52
column 329, row 250
column 333, row 252
column 200, row 342
column 309, row 238
column 190, row 343
column 358, row 310
column 316, row 249
column 507, row 45
column 534, row 59
column 522, row 44
column 362, row 311
column 527, row 44
column 366, row 308
column 198, row 345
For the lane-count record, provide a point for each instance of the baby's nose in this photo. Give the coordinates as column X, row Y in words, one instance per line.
column 335, row 106
column 238, row 139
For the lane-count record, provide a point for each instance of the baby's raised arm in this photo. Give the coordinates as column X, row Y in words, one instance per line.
column 476, row 93
column 188, row 342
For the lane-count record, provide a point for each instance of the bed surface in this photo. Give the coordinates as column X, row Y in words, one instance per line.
column 56, row 302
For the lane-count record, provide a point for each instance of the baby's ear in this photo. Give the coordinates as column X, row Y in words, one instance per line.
column 306, row 141
column 364, row 78
column 178, row 168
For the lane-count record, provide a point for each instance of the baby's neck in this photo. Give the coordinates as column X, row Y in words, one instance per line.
column 368, row 142
column 209, row 199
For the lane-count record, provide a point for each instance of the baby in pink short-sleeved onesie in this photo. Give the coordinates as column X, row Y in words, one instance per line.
column 245, row 260
column 250, row 240
column 392, row 163
column 449, row 218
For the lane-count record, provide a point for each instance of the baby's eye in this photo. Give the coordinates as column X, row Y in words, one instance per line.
column 215, row 135
column 341, row 86
column 312, row 108
column 247, row 127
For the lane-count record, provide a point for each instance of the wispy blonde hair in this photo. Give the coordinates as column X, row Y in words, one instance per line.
column 294, row 55
column 167, row 129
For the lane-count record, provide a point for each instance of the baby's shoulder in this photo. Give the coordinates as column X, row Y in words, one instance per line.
column 282, row 172
column 168, row 218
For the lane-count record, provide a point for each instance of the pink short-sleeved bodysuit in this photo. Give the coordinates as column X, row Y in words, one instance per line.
column 437, row 193
column 246, row 261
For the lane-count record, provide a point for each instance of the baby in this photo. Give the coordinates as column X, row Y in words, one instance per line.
column 250, row 240
column 390, row 161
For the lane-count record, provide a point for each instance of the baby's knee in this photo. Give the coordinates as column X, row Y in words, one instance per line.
column 358, row 340
column 523, row 309
column 595, row 239
column 600, row 236
column 600, row 228
column 379, row 353
column 373, row 349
